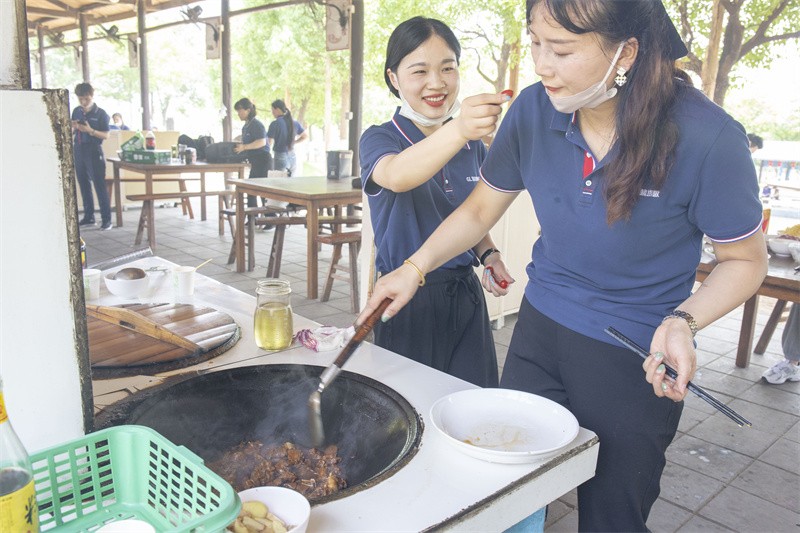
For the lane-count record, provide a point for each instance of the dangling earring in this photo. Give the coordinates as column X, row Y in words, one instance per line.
column 621, row 78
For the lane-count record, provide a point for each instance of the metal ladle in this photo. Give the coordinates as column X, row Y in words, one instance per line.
column 329, row 374
column 130, row 273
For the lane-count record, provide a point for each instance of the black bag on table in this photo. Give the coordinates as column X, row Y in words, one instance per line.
column 222, row 152
column 201, row 144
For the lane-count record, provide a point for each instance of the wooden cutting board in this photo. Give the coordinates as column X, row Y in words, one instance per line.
column 116, row 351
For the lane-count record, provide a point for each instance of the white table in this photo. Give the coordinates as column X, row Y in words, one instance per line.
column 440, row 487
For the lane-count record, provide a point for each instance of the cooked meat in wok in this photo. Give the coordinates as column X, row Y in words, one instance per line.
column 311, row 472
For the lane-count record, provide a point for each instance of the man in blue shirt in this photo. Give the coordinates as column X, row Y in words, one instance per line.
column 90, row 129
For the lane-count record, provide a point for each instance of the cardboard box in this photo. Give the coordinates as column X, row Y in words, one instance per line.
column 148, row 157
column 134, row 143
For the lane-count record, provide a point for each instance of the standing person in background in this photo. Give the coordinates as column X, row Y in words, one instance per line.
column 628, row 166
column 117, row 123
column 789, row 368
column 756, row 142
column 416, row 170
column 254, row 143
column 90, row 129
column 283, row 133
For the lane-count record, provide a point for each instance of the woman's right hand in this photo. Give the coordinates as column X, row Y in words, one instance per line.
column 479, row 114
column 400, row 285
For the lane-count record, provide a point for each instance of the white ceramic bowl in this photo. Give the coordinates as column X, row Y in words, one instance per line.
column 780, row 245
column 794, row 249
column 503, row 426
column 127, row 288
column 287, row 504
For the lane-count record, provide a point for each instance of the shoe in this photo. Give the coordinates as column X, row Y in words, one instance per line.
column 782, row 372
column 106, row 226
column 87, row 222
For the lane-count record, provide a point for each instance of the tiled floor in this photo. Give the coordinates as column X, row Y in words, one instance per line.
column 718, row 477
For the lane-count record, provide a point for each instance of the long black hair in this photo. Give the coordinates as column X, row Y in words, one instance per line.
column 647, row 135
column 280, row 105
column 246, row 104
column 408, row 36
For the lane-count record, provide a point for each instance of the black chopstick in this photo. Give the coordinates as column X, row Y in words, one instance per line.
column 721, row 407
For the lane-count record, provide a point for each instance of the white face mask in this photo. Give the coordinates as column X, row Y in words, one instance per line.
column 418, row 118
column 590, row 97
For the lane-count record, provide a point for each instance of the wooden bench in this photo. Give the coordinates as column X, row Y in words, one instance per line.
column 147, row 206
column 353, row 241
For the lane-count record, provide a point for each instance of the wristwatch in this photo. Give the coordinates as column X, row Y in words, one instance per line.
column 687, row 317
column 487, row 253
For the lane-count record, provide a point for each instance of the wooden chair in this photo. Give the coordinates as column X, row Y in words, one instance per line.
column 338, row 240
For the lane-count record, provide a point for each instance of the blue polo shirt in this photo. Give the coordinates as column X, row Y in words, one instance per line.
column 586, row 275
column 403, row 221
column 96, row 118
column 252, row 131
column 279, row 133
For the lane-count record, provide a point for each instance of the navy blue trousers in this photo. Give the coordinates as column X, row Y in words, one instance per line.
column 605, row 388
column 90, row 168
column 446, row 326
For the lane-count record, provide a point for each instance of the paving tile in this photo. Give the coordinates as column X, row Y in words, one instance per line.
column 714, row 381
column 741, row 511
column 567, row 524
column 784, row 454
column 707, row 458
column 666, row 517
column 724, row 365
column 697, row 524
column 686, row 488
column 777, row 485
column 719, row 430
column 690, row 417
column 765, row 417
column 784, row 397
column 794, row 433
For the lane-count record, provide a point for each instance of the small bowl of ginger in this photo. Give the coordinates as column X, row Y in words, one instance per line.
column 276, row 509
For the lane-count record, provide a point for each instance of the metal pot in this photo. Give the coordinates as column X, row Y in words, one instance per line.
column 377, row 430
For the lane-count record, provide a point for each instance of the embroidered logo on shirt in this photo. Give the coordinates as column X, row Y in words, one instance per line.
column 473, row 178
column 651, row 193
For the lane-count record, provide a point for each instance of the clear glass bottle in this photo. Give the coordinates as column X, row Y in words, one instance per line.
column 18, row 510
column 272, row 322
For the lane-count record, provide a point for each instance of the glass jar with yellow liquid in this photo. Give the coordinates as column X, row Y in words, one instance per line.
column 273, row 319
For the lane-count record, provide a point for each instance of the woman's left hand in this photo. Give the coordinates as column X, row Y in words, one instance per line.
column 672, row 345
column 495, row 275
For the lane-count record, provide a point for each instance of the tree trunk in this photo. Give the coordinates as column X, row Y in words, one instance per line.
column 731, row 48
column 711, row 63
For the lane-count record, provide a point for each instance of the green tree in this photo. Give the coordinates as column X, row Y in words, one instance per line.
column 730, row 32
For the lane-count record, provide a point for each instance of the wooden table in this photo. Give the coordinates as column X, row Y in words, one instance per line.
column 148, row 171
column 782, row 282
column 312, row 192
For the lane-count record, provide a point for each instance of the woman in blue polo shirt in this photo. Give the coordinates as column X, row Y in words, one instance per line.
column 284, row 132
column 628, row 167
column 416, row 169
column 254, row 143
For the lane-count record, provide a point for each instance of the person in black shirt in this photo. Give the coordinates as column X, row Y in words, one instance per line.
column 254, row 142
column 90, row 129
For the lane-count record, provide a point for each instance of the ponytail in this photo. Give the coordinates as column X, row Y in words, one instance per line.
column 287, row 117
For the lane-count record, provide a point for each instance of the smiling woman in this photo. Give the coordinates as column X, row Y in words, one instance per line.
column 416, row 169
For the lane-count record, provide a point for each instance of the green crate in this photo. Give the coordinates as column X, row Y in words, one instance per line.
column 148, row 157
column 129, row 472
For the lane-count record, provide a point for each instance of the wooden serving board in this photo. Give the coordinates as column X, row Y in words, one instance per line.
column 116, row 351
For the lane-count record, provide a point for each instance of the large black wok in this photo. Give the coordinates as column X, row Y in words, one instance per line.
column 377, row 431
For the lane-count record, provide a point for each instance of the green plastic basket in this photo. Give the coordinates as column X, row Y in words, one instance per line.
column 129, row 472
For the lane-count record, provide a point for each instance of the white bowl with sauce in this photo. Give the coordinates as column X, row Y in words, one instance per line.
column 502, row 425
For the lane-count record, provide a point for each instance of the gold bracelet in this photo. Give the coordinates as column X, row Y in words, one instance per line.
column 421, row 275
